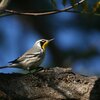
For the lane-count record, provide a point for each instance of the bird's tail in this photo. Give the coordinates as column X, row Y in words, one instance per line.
column 1, row 67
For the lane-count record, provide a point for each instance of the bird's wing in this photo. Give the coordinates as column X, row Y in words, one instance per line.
column 14, row 61
column 25, row 56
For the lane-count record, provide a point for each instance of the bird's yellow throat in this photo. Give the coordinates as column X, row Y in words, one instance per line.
column 45, row 45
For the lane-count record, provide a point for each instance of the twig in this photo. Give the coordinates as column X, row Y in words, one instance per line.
column 44, row 13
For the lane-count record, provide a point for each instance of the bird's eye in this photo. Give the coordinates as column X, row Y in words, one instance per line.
column 43, row 41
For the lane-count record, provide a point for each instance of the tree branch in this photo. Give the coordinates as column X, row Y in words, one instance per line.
column 3, row 4
column 44, row 13
column 50, row 84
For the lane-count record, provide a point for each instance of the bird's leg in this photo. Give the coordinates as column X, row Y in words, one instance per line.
column 46, row 69
column 40, row 68
column 36, row 69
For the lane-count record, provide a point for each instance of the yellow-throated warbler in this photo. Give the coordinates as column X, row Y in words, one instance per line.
column 31, row 58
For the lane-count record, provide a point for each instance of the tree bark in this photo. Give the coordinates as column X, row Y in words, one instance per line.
column 49, row 84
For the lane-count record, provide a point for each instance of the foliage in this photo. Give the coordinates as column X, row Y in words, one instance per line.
column 64, row 2
column 54, row 3
column 76, row 6
column 96, row 7
column 85, row 7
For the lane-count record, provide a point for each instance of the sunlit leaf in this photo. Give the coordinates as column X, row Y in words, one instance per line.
column 96, row 6
column 54, row 3
column 84, row 6
column 64, row 2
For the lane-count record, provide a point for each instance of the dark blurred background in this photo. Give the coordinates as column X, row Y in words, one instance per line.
column 77, row 36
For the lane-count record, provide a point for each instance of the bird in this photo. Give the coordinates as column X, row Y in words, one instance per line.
column 31, row 58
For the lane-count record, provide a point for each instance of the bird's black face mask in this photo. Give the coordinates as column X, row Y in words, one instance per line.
column 43, row 44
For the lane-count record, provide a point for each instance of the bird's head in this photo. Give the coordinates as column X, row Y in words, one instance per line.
column 43, row 43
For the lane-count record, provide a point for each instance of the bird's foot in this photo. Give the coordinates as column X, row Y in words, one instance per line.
column 37, row 69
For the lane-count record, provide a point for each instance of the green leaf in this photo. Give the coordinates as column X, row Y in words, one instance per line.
column 96, row 6
column 64, row 2
column 54, row 3
column 73, row 3
column 85, row 6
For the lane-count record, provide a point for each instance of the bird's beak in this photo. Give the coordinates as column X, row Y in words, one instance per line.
column 50, row 40
column 46, row 43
